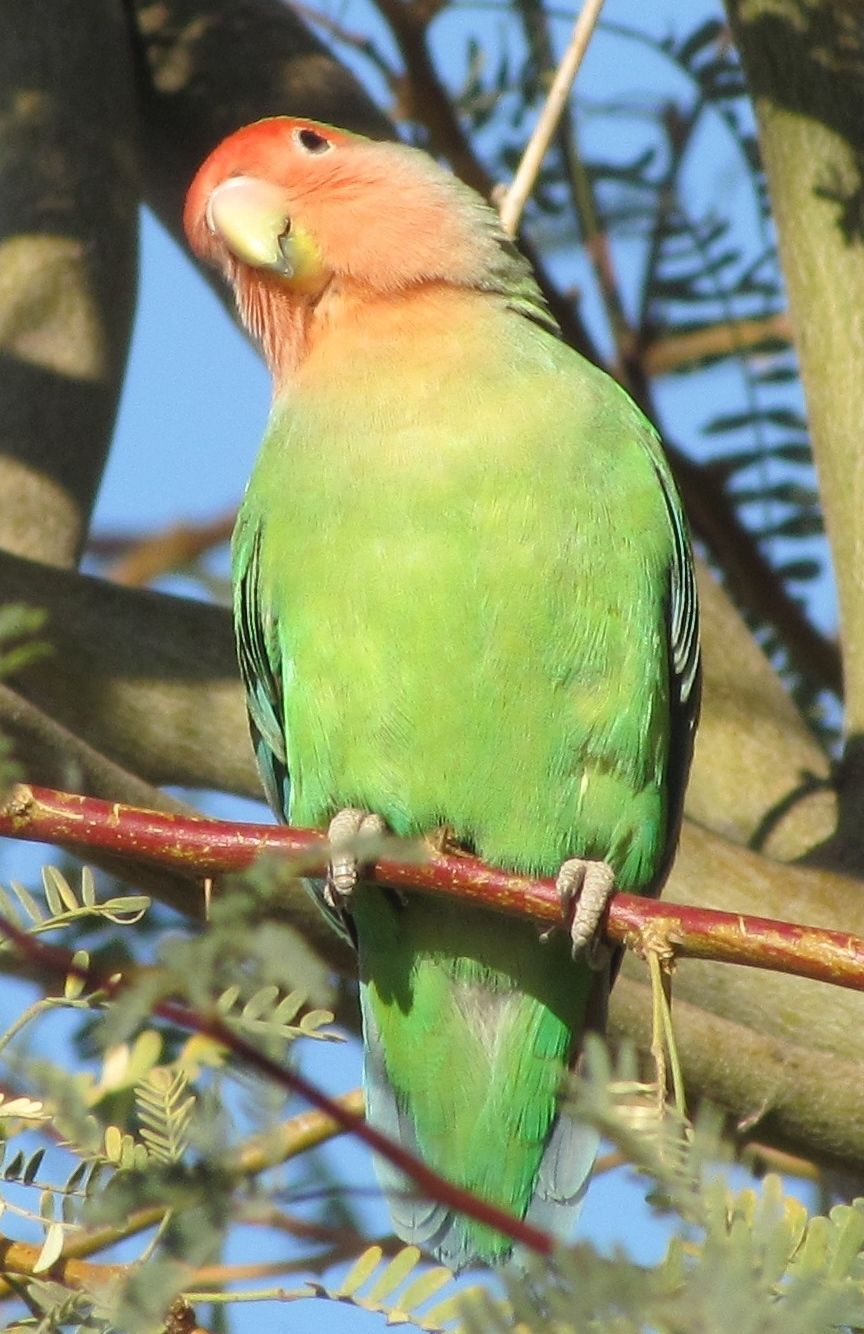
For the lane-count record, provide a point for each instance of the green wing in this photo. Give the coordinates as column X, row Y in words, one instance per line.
column 259, row 652
column 685, row 667
column 260, row 658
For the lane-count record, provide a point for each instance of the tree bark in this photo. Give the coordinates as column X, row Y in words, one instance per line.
column 804, row 61
column 68, row 254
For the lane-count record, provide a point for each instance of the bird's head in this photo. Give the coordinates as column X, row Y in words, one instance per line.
column 290, row 210
column 296, row 203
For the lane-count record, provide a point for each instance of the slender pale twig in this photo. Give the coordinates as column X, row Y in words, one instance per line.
column 516, row 196
column 663, row 1046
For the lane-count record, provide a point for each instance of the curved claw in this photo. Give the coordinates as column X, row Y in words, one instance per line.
column 585, row 888
column 346, row 827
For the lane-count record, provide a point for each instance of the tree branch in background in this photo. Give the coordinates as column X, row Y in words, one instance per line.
column 139, row 561
column 759, row 776
column 68, row 220
column 149, row 681
column 64, row 760
column 669, row 353
column 804, row 61
column 277, row 1145
column 59, row 756
column 712, row 872
column 800, row 1098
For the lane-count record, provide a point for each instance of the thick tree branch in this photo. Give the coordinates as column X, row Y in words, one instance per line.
column 759, row 776
column 68, row 238
column 788, row 1092
column 147, row 680
column 804, row 61
column 54, row 755
column 57, row 757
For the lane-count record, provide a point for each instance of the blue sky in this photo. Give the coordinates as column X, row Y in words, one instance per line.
column 193, row 411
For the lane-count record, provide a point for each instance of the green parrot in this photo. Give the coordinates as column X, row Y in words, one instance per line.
column 465, row 610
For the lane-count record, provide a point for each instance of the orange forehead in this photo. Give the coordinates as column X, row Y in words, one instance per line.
column 269, row 143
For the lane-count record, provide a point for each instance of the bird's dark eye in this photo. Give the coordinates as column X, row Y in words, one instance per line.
column 312, row 141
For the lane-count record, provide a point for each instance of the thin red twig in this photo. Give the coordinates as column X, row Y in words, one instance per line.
column 205, row 848
column 55, row 960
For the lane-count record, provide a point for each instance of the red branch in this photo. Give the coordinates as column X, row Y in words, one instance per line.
column 53, row 959
column 203, row 847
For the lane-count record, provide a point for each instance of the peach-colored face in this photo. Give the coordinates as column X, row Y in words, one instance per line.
column 299, row 202
column 284, row 153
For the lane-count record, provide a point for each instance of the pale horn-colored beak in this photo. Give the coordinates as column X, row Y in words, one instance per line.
column 250, row 217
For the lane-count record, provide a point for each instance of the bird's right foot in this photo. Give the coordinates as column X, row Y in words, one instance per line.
column 585, row 888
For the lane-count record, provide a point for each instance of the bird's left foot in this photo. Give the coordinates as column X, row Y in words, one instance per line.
column 585, row 888
column 346, row 828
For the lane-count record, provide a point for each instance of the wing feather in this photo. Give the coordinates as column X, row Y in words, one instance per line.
column 685, row 667
column 260, row 667
column 260, row 655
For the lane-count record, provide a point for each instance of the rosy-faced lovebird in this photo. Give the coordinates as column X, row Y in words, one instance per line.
column 465, row 611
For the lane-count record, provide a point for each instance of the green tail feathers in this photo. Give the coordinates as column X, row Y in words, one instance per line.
column 469, row 1021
